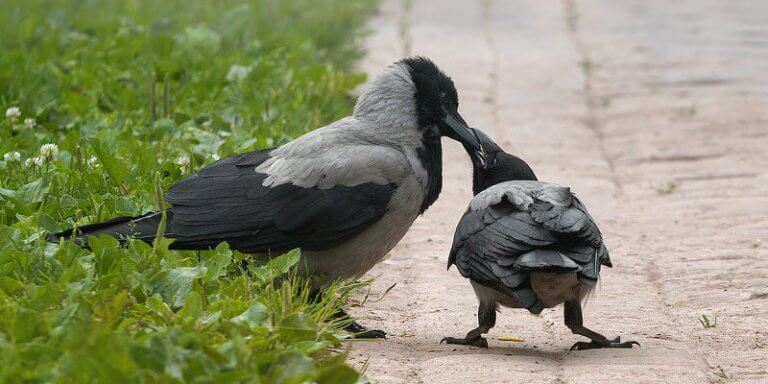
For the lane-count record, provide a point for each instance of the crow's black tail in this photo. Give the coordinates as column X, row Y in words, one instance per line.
column 142, row 227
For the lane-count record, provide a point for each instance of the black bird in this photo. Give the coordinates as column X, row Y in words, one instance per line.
column 528, row 244
column 344, row 194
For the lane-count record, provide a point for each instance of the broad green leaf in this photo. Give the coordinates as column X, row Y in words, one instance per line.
column 33, row 192
column 209, row 319
column 48, row 223
column 106, row 251
column 293, row 367
column 297, row 327
column 8, row 236
column 27, row 325
column 283, row 263
column 158, row 307
column 115, row 168
column 337, row 374
column 175, row 284
column 67, row 202
column 218, row 262
column 30, row 193
column 256, row 315
column 193, row 306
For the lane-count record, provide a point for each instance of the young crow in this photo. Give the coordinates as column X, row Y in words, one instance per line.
column 526, row 244
column 344, row 194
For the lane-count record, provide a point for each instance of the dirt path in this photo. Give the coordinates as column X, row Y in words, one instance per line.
column 657, row 116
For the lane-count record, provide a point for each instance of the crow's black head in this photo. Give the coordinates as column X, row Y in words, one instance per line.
column 492, row 165
column 435, row 92
column 437, row 102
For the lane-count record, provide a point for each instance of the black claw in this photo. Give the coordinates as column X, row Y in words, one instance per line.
column 355, row 327
column 615, row 343
column 371, row 334
column 581, row 345
column 361, row 332
column 480, row 342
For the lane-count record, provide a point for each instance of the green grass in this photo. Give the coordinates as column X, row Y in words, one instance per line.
column 136, row 94
column 706, row 322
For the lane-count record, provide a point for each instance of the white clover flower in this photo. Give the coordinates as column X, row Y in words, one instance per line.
column 93, row 161
column 183, row 162
column 215, row 156
column 48, row 152
column 30, row 122
column 13, row 114
column 34, row 161
column 238, row 72
column 12, row 156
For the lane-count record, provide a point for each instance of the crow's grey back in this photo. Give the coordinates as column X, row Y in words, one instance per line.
column 521, row 194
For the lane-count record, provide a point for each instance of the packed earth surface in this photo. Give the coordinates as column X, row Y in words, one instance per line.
column 656, row 115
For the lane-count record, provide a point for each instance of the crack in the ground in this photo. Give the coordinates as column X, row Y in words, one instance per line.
column 404, row 27
column 652, row 270
column 591, row 120
column 493, row 74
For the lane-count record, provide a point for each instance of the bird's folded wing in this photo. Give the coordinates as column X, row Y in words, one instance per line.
column 488, row 242
column 227, row 201
column 345, row 153
column 579, row 238
column 571, row 222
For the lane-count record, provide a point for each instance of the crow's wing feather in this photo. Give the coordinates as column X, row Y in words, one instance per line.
column 227, row 201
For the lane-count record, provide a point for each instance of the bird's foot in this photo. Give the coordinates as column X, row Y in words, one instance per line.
column 358, row 330
column 361, row 332
column 476, row 341
column 615, row 343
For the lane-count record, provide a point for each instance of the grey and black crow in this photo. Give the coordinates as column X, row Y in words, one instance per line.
column 344, row 194
column 528, row 244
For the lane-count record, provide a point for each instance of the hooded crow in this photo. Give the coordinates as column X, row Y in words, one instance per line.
column 344, row 194
column 528, row 244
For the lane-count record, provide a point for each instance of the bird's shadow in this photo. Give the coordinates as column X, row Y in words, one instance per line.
column 436, row 350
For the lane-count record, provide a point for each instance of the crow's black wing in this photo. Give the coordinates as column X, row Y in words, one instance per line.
column 579, row 238
column 226, row 201
column 487, row 243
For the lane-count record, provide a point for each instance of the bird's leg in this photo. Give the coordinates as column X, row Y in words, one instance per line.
column 575, row 322
column 486, row 318
column 353, row 327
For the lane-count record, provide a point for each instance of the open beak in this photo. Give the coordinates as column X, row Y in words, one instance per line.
column 487, row 145
column 456, row 128
column 478, row 156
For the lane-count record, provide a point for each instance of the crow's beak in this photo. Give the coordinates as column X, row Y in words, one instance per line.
column 487, row 145
column 478, row 157
column 456, row 128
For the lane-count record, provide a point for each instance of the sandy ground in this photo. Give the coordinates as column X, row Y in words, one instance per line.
column 656, row 114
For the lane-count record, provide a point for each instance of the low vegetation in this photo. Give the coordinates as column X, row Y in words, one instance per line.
column 106, row 104
column 706, row 322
